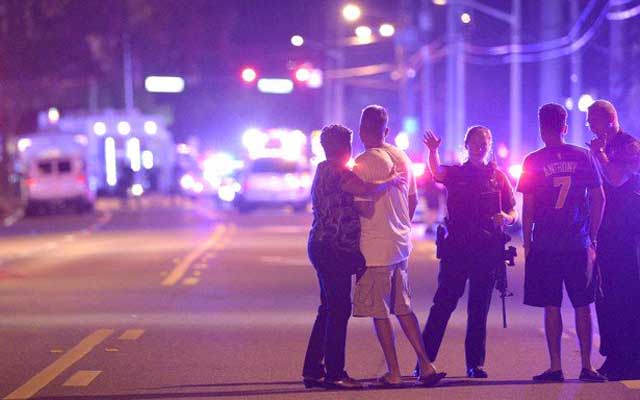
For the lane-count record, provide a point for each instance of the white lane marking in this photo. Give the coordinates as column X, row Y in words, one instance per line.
column 82, row 378
column 44, row 377
column 131, row 334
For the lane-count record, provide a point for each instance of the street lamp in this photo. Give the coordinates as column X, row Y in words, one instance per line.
column 465, row 18
column 351, row 12
column 297, row 40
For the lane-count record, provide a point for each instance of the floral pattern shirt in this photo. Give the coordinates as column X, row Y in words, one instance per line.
column 335, row 218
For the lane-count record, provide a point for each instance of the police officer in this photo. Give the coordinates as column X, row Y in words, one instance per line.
column 618, row 245
column 480, row 202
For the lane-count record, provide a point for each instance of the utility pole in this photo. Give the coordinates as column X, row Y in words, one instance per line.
column 455, row 95
column 515, row 85
column 551, row 71
column 576, row 123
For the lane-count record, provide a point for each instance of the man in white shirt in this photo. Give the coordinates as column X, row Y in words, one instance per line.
column 385, row 242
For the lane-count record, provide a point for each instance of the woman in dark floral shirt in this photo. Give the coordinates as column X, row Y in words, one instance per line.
column 334, row 251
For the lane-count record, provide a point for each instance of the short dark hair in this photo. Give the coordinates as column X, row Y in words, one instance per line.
column 334, row 138
column 374, row 119
column 552, row 117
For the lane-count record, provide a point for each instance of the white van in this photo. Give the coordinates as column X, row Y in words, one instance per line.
column 59, row 180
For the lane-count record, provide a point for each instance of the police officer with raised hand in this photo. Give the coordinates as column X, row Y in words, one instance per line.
column 480, row 202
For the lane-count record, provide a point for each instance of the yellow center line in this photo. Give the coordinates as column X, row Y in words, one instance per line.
column 632, row 384
column 179, row 270
column 131, row 334
column 190, row 281
column 44, row 377
column 82, row 378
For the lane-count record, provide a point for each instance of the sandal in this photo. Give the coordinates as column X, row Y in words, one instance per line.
column 430, row 380
column 384, row 382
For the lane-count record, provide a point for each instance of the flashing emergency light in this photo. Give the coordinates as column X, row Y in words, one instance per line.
column 164, row 84
column 568, row 103
column 303, row 74
column 249, row 75
column 24, row 144
column 275, row 86
column 147, row 159
column 110, row 160
column 187, row 182
column 316, row 79
column 133, row 153
column 402, row 140
column 99, row 128
column 418, row 169
column 503, row 151
column 363, row 32
column 150, row 127
column 585, row 102
column 515, row 171
column 53, row 115
column 137, row 189
column 123, row 128
column 386, row 30
column 228, row 192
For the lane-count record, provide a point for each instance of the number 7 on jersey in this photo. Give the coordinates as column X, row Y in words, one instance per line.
column 564, row 182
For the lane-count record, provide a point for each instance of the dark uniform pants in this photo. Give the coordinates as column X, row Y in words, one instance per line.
column 454, row 273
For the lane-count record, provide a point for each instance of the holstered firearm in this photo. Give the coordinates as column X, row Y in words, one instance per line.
column 441, row 235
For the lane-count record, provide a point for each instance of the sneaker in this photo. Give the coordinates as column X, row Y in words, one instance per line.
column 589, row 375
column 477, row 372
column 550, row 376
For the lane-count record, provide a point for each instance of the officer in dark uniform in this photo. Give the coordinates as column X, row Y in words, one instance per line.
column 618, row 244
column 480, row 202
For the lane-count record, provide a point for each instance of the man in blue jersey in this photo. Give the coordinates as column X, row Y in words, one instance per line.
column 562, row 210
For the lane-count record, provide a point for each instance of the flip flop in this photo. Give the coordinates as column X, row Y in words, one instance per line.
column 430, row 380
column 384, row 382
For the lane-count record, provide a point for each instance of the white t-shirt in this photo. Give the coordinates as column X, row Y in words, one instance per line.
column 385, row 238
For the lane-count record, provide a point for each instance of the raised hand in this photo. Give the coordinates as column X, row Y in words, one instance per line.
column 431, row 140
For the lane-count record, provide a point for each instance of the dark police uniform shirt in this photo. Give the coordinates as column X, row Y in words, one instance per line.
column 474, row 195
column 622, row 212
column 559, row 176
column 335, row 218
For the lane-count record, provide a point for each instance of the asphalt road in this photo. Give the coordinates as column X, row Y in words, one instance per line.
column 176, row 301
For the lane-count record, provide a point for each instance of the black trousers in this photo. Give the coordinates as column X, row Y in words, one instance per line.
column 329, row 334
column 454, row 274
column 618, row 308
